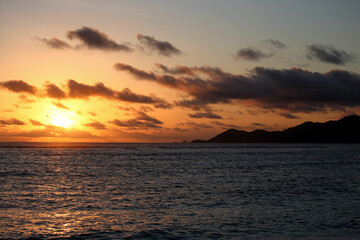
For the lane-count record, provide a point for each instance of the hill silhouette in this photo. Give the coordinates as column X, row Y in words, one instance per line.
column 345, row 130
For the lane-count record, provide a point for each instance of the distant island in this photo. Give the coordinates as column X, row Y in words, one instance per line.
column 345, row 130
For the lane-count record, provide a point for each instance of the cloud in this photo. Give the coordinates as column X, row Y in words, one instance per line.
column 127, row 95
column 25, row 99
column 36, row 123
column 53, row 131
column 176, row 70
column 275, row 43
column 81, row 90
column 60, row 105
column 258, row 124
column 225, row 125
column 294, row 90
column 251, row 54
column 163, row 48
column 144, row 117
column 289, row 116
column 329, row 54
column 142, row 75
column 96, row 125
column 18, row 86
column 208, row 114
column 54, row 91
column 94, row 39
column 11, row 121
column 54, row 43
column 142, row 121
column 195, row 126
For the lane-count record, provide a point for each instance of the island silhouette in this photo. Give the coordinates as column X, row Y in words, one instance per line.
column 345, row 130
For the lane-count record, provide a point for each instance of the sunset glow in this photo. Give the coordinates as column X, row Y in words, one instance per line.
column 61, row 119
column 142, row 74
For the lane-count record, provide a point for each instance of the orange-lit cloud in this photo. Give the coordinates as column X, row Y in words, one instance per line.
column 11, row 121
column 60, row 105
column 141, row 121
column 54, row 91
column 83, row 91
column 18, row 86
column 96, row 125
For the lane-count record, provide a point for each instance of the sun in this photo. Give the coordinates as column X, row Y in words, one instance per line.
column 59, row 118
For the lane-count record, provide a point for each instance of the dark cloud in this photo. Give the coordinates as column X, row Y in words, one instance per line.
column 81, row 90
column 18, row 86
column 163, row 105
column 94, row 39
column 294, row 90
column 60, row 105
column 176, row 70
column 161, row 47
column 127, row 95
column 208, row 114
column 275, row 43
column 96, row 125
column 289, row 116
column 54, row 91
column 142, row 121
column 11, row 121
column 251, row 54
column 195, row 126
column 225, row 125
column 55, row 43
column 144, row 117
column 258, row 124
column 329, row 54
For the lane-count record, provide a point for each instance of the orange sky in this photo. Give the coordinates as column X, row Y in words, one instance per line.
column 119, row 71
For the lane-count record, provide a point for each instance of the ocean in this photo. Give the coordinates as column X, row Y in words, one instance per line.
column 179, row 191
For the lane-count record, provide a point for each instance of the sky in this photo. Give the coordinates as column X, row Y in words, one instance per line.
column 173, row 71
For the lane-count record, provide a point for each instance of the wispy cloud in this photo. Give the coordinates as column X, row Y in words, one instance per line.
column 96, row 125
column 251, row 54
column 54, row 43
column 275, row 43
column 329, row 54
column 11, row 121
column 60, row 105
column 207, row 114
column 142, row 121
column 163, row 48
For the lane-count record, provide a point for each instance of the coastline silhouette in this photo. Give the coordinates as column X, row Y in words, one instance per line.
column 345, row 130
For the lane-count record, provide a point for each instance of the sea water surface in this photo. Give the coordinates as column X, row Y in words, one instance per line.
column 179, row 191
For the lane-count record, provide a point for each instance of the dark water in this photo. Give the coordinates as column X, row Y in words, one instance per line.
column 179, row 191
